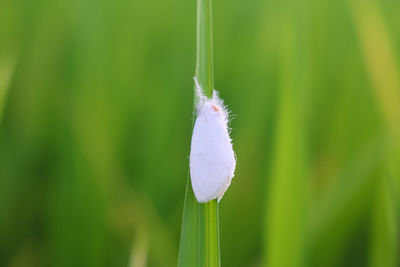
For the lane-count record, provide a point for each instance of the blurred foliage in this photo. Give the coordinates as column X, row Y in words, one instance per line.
column 95, row 126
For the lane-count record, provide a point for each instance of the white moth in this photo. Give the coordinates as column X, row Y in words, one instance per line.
column 212, row 160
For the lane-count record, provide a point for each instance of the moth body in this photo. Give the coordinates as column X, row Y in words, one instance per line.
column 212, row 160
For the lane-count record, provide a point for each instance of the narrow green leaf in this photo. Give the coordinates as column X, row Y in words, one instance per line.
column 189, row 245
column 204, row 54
column 199, row 244
column 287, row 196
column 6, row 71
column 384, row 246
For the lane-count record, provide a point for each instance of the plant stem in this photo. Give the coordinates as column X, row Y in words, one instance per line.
column 199, row 244
column 204, row 54
column 208, row 213
column 212, row 233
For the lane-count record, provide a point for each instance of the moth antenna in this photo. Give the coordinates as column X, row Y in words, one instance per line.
column 199, row 92
column 220, row 103
column 216, row 99
column 215, row 95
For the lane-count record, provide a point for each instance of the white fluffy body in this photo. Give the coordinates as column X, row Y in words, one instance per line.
column 212, row 160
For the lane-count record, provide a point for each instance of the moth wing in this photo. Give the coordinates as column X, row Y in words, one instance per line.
column 212, row 160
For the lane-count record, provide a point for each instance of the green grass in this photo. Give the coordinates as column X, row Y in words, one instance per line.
column 96, row 104
column 199, row 242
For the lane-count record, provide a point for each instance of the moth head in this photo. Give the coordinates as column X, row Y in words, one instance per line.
column 215, row 108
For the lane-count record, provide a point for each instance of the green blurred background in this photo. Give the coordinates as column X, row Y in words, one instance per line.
column 95, row 127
